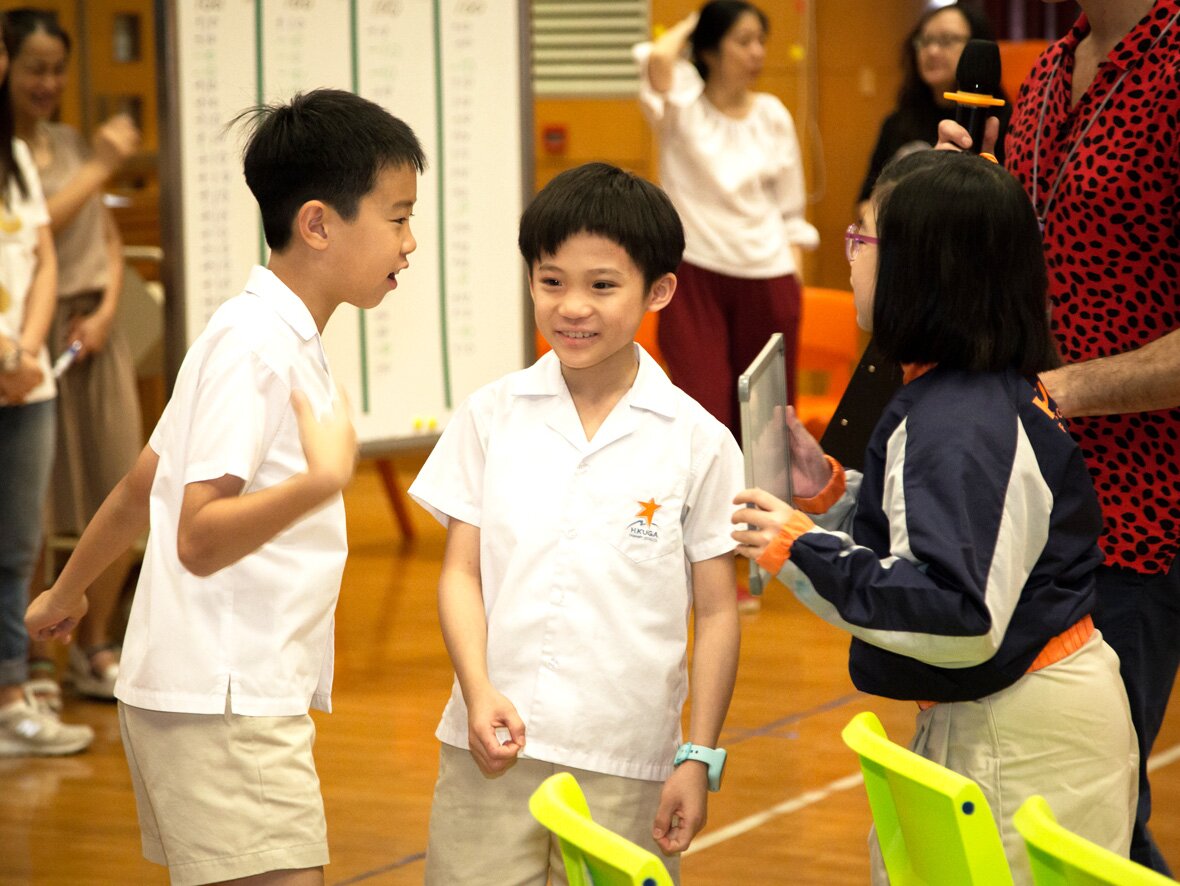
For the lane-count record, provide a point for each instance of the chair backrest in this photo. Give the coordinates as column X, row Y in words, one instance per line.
column 829, row 339
column 593, row 855
column 829, row 347
column 934, row 825
column 1059, row 857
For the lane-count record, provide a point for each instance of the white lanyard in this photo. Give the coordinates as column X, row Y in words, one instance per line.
column 1044, row 213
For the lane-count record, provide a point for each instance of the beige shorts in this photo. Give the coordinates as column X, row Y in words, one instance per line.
column 482, row 833
column 1063, row 732
column 225, row 796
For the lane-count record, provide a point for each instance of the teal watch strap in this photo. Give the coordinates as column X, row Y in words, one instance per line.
column 713, row 758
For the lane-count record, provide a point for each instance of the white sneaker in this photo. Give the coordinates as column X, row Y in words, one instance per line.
column 44, row 694
column 26, row 731
column 86, row 681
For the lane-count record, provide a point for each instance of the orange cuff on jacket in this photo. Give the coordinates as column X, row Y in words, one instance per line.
column 779, row 551
column 827, row 496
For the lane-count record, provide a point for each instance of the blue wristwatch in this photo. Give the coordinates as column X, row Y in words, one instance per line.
column 713, row 758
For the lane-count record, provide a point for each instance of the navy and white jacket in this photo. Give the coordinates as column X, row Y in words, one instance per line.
column 973, row 540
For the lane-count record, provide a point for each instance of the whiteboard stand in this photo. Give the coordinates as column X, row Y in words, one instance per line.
column 397, row 497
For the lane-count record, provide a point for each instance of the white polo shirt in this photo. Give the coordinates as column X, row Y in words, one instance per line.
column 737, row 183
column 262, row 626
column 587, row 601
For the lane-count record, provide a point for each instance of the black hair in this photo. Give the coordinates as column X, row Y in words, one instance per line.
column 597, row 198
column 327, row 145
column 961, row 277
column 26, row 21
column 716, row 18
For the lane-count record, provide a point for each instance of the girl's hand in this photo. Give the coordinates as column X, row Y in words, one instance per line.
column 765, row 516
column 16, row 385
column 810, row 471
column 92, row 330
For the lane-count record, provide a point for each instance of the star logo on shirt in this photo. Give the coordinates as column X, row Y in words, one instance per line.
column 647, row 509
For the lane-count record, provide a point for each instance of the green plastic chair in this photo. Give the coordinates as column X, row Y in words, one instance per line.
column 934, row 825
column 593, row 855
column 1062, row 858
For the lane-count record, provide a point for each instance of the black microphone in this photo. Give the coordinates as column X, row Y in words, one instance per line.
column 978, row 82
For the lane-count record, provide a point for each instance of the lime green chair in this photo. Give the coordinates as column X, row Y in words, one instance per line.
column 934, row 825
column 1062, row 858
column 593, row 855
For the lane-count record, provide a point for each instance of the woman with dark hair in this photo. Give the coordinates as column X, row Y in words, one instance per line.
column 962, row 561
column 730, row 161
column 930, row 56
column 98, row 426
column 28, row 276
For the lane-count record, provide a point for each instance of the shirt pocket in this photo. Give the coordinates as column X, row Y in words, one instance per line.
column 645, row 524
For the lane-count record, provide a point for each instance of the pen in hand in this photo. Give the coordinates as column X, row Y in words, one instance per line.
column 66, row 358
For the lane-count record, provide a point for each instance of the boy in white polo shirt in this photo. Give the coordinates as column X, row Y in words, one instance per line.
column 585, row 500
column 230, row 636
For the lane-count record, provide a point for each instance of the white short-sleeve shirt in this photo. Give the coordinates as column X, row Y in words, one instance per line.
column 21, row 216
column 737, row 183
column 262, row 626
column 587, row 600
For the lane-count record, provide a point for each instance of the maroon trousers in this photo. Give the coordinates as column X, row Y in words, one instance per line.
column 715, row 326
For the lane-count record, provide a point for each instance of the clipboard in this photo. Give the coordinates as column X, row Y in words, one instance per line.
column 766, row 444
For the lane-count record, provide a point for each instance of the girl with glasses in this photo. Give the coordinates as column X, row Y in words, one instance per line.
column 962, row 559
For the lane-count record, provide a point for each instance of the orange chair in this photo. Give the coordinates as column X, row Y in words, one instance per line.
column 1016, row 60
column 829, row 346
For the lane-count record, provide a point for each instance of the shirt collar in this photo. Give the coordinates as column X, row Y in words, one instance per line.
column 278, row 297
column 651, row 390
column 1130, row 47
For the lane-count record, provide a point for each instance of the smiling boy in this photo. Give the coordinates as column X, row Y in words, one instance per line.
column 585, row 505
column 230, row 636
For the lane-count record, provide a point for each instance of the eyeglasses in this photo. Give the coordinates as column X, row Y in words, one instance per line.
column 942, row 41
column 853, row 239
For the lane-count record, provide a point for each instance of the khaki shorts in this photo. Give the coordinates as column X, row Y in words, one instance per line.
column 1063, row 732
column 482, row 833
column 225, row 796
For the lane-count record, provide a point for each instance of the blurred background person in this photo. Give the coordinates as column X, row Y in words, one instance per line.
column 27, row 415
column 729, row 158
column 930, row 57
column 99, row 430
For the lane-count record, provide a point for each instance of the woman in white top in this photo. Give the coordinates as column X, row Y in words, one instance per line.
column 28, row 278
column 730, row 161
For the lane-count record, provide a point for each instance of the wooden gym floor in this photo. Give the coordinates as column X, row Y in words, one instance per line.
column 792, row 810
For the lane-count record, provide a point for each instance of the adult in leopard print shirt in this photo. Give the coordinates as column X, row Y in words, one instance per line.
column 1095, row 139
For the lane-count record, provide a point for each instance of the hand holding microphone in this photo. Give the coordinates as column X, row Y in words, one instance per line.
column 978, row 83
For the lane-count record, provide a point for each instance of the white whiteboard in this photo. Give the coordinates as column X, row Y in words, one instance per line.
column 454, row 71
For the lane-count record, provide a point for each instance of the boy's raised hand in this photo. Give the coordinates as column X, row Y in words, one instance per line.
column 486, row 714
column 329, row 445
column 683, row 807
column 50, row 618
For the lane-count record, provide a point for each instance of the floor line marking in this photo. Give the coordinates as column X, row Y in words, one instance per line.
column 744, row 825
column 810, row 798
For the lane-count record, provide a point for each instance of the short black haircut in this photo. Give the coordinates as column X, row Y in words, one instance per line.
column 597, row 198
column 327, row 145
column 961, row 277
column 716, row 18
